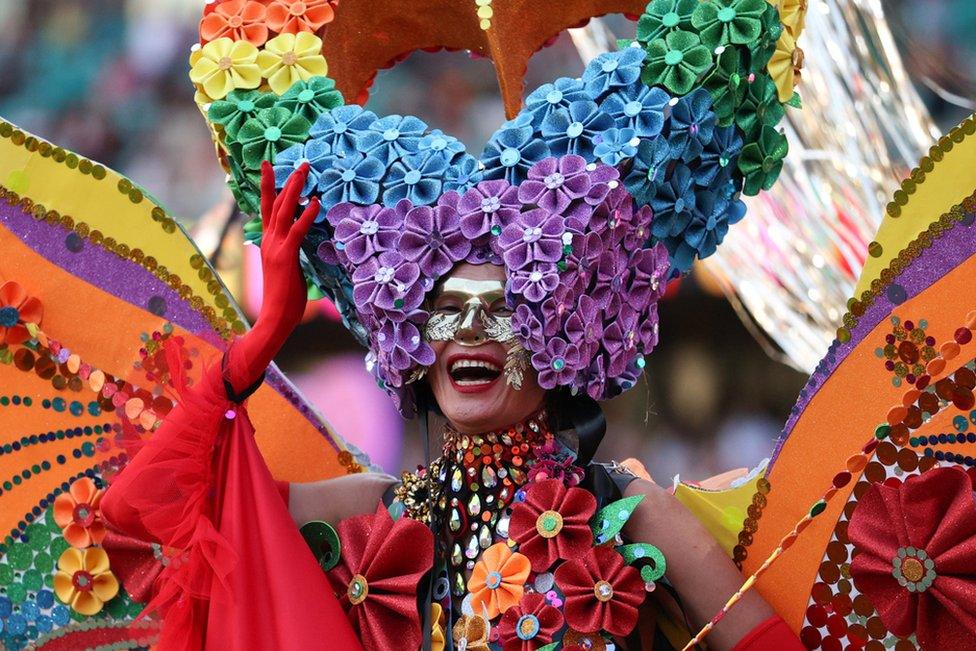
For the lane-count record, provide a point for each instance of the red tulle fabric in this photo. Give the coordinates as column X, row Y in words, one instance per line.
column 246, row 579
column 575, row 505
column 584, row 612
column 392, row 557
column 934, row 512
column 773, row 633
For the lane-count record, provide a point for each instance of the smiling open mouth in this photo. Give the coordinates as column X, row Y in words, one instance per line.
column 468, row 372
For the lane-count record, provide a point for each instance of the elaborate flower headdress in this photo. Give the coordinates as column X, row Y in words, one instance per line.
column 592, row 196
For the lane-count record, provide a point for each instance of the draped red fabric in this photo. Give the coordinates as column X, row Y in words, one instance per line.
column 246, row 579
column 773, row 633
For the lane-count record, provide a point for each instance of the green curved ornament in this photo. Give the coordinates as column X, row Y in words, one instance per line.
column 323, row 540
column 608, row 521
column 640, row 552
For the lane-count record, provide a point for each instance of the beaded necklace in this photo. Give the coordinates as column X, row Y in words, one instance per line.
column 465, row 493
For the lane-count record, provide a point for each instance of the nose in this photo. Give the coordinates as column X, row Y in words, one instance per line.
column 471, row 331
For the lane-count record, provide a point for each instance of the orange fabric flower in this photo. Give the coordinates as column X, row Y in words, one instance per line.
column 239, row 20
column 293, row 16
column 84, row 581
column 78, row 515
column 498, row 580
column 16, row 310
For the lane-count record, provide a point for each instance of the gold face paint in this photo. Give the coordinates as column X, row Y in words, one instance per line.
column 474, row 312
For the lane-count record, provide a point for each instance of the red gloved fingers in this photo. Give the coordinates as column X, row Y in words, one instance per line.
column 283, row 213
column 301, row 227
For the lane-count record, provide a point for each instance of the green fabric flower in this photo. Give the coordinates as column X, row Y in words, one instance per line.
column 311, row 98
column 727, row 83
column 237, row 108
column 761, row 161
column 244, row 185
column 760, row 107
column 661, row 17
column 675, row 61
column 724, row 22
column 762, row 49
column 270, row 131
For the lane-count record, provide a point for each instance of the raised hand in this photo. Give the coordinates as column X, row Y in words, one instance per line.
column 285, row 292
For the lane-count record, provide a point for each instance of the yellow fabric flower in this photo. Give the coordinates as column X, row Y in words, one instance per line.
column 784, row 66
column 437, row 639
column 792, row 13
column 84, row 581
column 288, row 58
column 223, row 65
column 473, row 630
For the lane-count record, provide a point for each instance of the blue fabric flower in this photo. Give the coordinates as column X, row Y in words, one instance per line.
column 511, row 152
column 393, row 137
column 316, row 153
column 637, row 107
column 462, row 174
column 673, row 204
column 648, row 171
column 415, row 179
column 572, row 130
column 692, row 124
column 613, row 69
column 437, row 143
column 342, row 128
column 354, row 178
column 616, row 145
column 718, row 154
column 546, row 99
column 706, row 229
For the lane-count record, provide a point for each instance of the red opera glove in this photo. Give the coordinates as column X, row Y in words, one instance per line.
column 285, row 290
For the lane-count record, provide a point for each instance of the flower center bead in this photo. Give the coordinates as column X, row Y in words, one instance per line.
column 726, row 14
column 272, row 134
column 9, row 316
column 679, row 205
column 412, row 177
column 510, row 157
column 558, row 364
column 493, row 580
column 673, row 57
column 531, row 234
column 554, row 96
column 84, row 515
column 554, row 180
column 768, row 163
column 527, row 627
column 632, row 108
column 438, row 144
column 348, row 176
column 670, row 19
column 603, row 591
column 912, row 569
column 490, row 204
column 358, row 589
column 549, row 524
column 574, row 129
column 369, row 227
column 340, row 127
column 383, row 275
column 391, row 134
column 82, row 581
column 297, row 9
column 245, row 106
column 225, row 63
column 609, row 65
column 289, row 58
column 306, row 95
column 235, row 21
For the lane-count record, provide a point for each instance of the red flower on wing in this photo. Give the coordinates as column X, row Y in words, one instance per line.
column 552, row 523
column 530, row 624
column 376, row 581
column 601, row 592
column 16, row 310
column 916, row 557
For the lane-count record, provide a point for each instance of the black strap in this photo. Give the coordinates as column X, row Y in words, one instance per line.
column 233, row 396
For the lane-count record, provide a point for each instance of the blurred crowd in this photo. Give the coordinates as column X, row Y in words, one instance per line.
column 107, row 78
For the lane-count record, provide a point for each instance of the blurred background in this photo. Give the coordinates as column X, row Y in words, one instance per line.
column 108, row 79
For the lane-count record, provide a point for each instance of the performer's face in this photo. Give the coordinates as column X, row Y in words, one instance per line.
column 468, row 377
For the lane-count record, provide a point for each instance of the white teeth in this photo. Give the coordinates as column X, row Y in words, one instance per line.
column 474, row 363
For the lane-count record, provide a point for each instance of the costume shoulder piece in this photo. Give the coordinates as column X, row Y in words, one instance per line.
column 96, row 278
column 598, row 190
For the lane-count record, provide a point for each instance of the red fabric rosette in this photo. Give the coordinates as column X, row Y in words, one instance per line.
column 377, row 577
column 552, row 523
column 601, row 592
column 530, row 624
column 916, row 557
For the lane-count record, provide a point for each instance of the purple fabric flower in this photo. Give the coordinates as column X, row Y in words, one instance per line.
column 620, row 341
column 534, row 282
column 584, row 327
column 596, row 378
column 488, row 204
column 534, row 236
column 388, row 282
column 432, row 238
column 527, row 328
column 583, row 261
column 557, row 185
column 403, row 343
column 647, row 329
column 362, row 231
column 650, row 270
column 614, row 215
column 639, row 229
column 555, row 308
column 557, row 364
column 612, row 278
